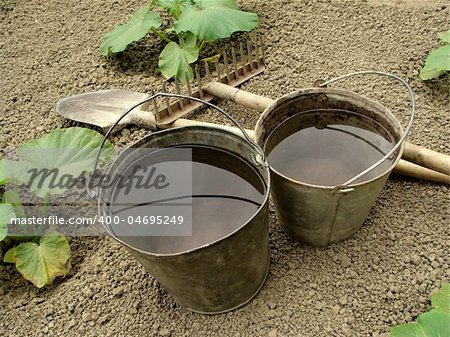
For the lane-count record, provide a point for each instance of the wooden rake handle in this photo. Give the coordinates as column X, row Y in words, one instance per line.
column 425, row 157
column 419, row 162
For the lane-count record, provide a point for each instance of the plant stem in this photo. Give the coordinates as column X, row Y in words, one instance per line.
column 202, row 45
column 211, row 58
column 21, row 238
column 28, row 228
column 181, row 39
column 161, row 35
column 176, row 15
column 45, row 207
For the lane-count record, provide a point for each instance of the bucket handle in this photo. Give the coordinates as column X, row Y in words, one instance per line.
column 259, row 159
column 345, row 186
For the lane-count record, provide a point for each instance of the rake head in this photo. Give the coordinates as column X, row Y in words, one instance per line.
column 229, row 69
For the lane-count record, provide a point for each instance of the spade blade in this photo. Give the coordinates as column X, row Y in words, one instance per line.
column 101, row 108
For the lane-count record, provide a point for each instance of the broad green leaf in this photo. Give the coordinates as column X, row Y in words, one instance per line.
column 12, row 197
column 445, row 36
column 437, row 63
column 42, row 263
column 435, row 323
column 407, row 330
column 10, row 256
column 222, row 3
column 6, row 214
column 14, row 171
column 441, row 300
column 175, row 60
column 173, row 7
column 135, row 29
column 71, row 145
column 49, row 164
column 211, row 20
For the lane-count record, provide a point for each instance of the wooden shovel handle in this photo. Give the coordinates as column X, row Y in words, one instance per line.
column 406, row 168
column 428, row 158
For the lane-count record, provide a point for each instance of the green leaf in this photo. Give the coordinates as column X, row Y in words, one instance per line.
column 10, row 256
column 173, row 7
column 48, row 163
column 407, row 330
column 6, row 214
column 14, row 171
column 211, row 20
column 441, row 300
column 445, row 36
column 12, row 197
column 437, row 63
column 175, row 60
column 223, row 3
column 42, row 263
column 435, row 323
column 135, row 29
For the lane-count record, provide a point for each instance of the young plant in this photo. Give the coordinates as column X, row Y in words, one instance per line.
column 438, row 61
column 41, row 254
column 434, row 323
column 194, row 24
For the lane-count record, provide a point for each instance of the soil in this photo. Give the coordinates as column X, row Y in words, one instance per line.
column 382, row 276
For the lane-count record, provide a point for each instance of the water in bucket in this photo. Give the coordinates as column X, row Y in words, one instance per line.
column 328, row 148
column 226, row 193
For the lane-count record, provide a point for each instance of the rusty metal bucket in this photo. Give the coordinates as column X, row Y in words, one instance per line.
column 321, row 215
column 226, row 273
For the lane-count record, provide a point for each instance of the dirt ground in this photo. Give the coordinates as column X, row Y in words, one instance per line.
column 382, row 276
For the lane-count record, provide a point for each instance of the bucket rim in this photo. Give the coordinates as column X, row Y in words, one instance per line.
column 345, row 93
column 219, row 129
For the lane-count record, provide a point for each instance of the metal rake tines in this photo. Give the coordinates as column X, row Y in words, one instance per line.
column 233, row 67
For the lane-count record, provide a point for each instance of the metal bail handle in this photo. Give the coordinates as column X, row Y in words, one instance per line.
column 408, row 127
column 260, row 159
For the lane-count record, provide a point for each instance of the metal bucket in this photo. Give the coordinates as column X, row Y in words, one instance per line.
column 221, row 275
column 321, row 215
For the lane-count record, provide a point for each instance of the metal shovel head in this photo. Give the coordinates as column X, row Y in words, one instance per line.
column 101, row 108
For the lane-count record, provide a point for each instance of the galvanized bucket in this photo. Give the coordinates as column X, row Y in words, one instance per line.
column 321, row 215
column 224, row 274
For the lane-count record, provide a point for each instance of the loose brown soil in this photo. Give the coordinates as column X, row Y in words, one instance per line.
column 382, row 276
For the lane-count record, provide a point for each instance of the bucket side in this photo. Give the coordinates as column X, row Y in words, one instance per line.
column 320, row 215
column 226, row 273
column 304, row 212
column 218, row 278
column 353, row 208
